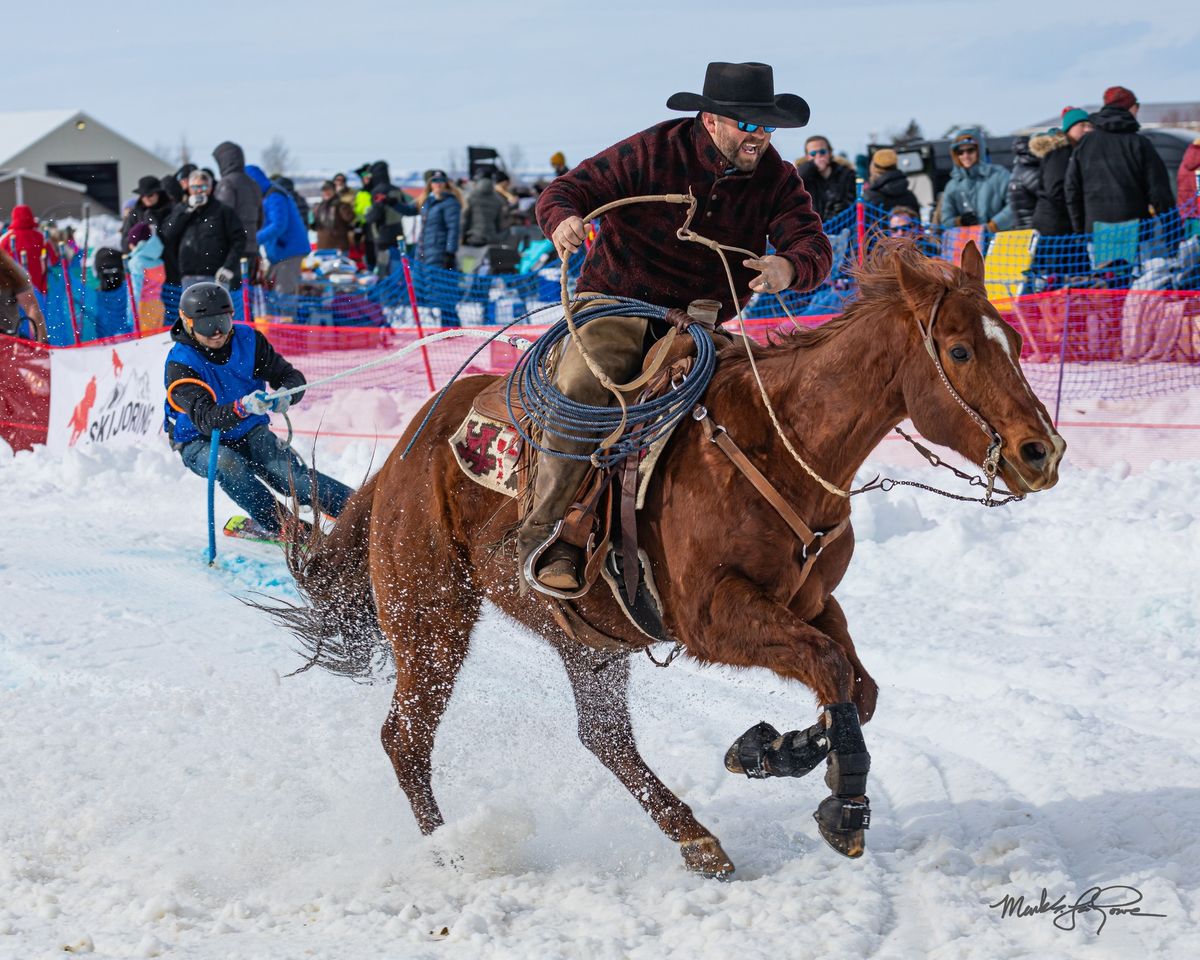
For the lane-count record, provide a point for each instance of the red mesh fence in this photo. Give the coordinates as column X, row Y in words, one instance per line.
column 1139, row 350
column 24, row 392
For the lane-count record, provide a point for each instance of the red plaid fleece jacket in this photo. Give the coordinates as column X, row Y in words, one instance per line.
column 637, row 253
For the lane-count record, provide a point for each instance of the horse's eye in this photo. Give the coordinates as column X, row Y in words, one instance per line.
column 960, row 354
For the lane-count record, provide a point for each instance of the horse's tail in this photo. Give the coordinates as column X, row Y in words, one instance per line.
column 337, row 626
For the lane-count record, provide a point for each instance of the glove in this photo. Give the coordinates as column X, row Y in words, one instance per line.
column 281, row 404
column 968, row 219
column 225, row 277
column 253, row 404
column 448, row 261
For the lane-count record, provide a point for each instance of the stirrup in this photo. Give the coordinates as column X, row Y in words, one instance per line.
column 531, row 563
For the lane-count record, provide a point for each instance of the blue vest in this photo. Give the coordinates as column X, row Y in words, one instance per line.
column 230, row 381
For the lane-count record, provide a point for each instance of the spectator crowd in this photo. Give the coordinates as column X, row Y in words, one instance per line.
column 1088, row 169
column 240, row 224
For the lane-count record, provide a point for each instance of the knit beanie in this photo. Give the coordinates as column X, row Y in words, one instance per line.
column 1120, row 97
column 138, row 233
column 884, row 159
column 1072, row 116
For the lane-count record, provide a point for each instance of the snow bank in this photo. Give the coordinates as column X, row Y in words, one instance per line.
column 166, row 791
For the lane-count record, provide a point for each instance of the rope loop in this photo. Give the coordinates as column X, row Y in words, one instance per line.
column 615, row 432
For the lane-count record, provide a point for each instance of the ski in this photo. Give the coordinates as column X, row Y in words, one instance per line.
column 244, row 528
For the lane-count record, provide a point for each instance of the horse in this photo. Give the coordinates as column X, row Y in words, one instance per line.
column 419, row 546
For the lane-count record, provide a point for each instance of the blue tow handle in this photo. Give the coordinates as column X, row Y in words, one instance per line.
column 212, row 483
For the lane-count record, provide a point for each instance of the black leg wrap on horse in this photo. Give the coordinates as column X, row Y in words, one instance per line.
column 849, row 762
column 762, row 752
column 843, row 817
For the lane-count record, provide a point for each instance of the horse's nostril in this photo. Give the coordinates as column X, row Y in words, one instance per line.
column 1033, row 453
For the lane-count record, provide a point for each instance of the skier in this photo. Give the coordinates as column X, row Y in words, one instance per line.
column 216, row 377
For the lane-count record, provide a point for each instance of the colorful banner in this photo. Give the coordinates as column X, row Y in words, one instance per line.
column 108, row 395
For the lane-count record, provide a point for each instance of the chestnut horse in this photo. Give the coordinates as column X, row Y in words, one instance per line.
column 420, row 545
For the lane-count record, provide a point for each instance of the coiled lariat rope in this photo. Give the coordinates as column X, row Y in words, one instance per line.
column 614, row 432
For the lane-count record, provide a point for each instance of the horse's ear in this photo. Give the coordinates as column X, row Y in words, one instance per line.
column 972, row 262
column 913, row 284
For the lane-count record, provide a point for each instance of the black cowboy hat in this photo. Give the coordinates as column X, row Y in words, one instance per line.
column 147, row 186
column 744, row 91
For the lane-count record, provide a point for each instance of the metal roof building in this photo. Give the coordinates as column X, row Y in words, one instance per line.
column 72, row 145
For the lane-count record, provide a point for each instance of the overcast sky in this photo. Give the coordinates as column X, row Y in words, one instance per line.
column 344, row 83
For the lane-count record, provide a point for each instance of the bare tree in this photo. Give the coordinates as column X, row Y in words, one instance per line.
column 185, row 155
column 457, row 162
column 909, row 134
column 277, row 158
column 516, row 160
column 955, row 127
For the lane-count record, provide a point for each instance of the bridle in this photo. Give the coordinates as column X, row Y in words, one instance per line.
column 991, row 462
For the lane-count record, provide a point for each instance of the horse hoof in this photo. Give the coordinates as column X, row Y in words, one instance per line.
column 747, row 754
column 843, row 822
column 705, row 857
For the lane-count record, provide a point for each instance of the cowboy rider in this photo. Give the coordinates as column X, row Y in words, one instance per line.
column 746, row 196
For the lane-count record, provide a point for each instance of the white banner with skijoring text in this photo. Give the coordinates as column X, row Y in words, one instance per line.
column 108, row 395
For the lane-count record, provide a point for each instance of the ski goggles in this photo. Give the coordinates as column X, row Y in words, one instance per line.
column 754, row 127
column 210, row 325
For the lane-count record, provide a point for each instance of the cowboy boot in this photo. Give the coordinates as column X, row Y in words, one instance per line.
column 559, row 565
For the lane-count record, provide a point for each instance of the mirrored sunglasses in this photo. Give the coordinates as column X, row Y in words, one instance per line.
column 754, row 127
column 817, row 153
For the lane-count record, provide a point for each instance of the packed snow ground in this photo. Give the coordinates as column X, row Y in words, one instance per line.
column 165, row 791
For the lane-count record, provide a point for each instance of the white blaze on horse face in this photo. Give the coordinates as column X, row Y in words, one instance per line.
column 994, row 331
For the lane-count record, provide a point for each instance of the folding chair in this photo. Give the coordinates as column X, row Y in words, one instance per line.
column 1005, row 271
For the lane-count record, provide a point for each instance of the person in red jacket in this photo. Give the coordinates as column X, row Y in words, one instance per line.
column 26, row 244
column 1189, row 170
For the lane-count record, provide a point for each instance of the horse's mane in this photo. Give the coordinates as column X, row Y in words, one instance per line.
column 878, row 293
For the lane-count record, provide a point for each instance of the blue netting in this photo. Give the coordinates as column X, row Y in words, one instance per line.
column 1162, row 253
column 98, row 313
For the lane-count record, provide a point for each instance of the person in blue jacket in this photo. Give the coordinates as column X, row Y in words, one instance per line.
column 216, row 377
column 283, row 237
column 441, row 213
column 978, row 191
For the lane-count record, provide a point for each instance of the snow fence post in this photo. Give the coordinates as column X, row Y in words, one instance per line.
column 860, row 218
column 87, row 229
column 1062, row 353
column 133, row 310
column 66, row 266
column 412, row 299
column 247, row 314
column 212, row 480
